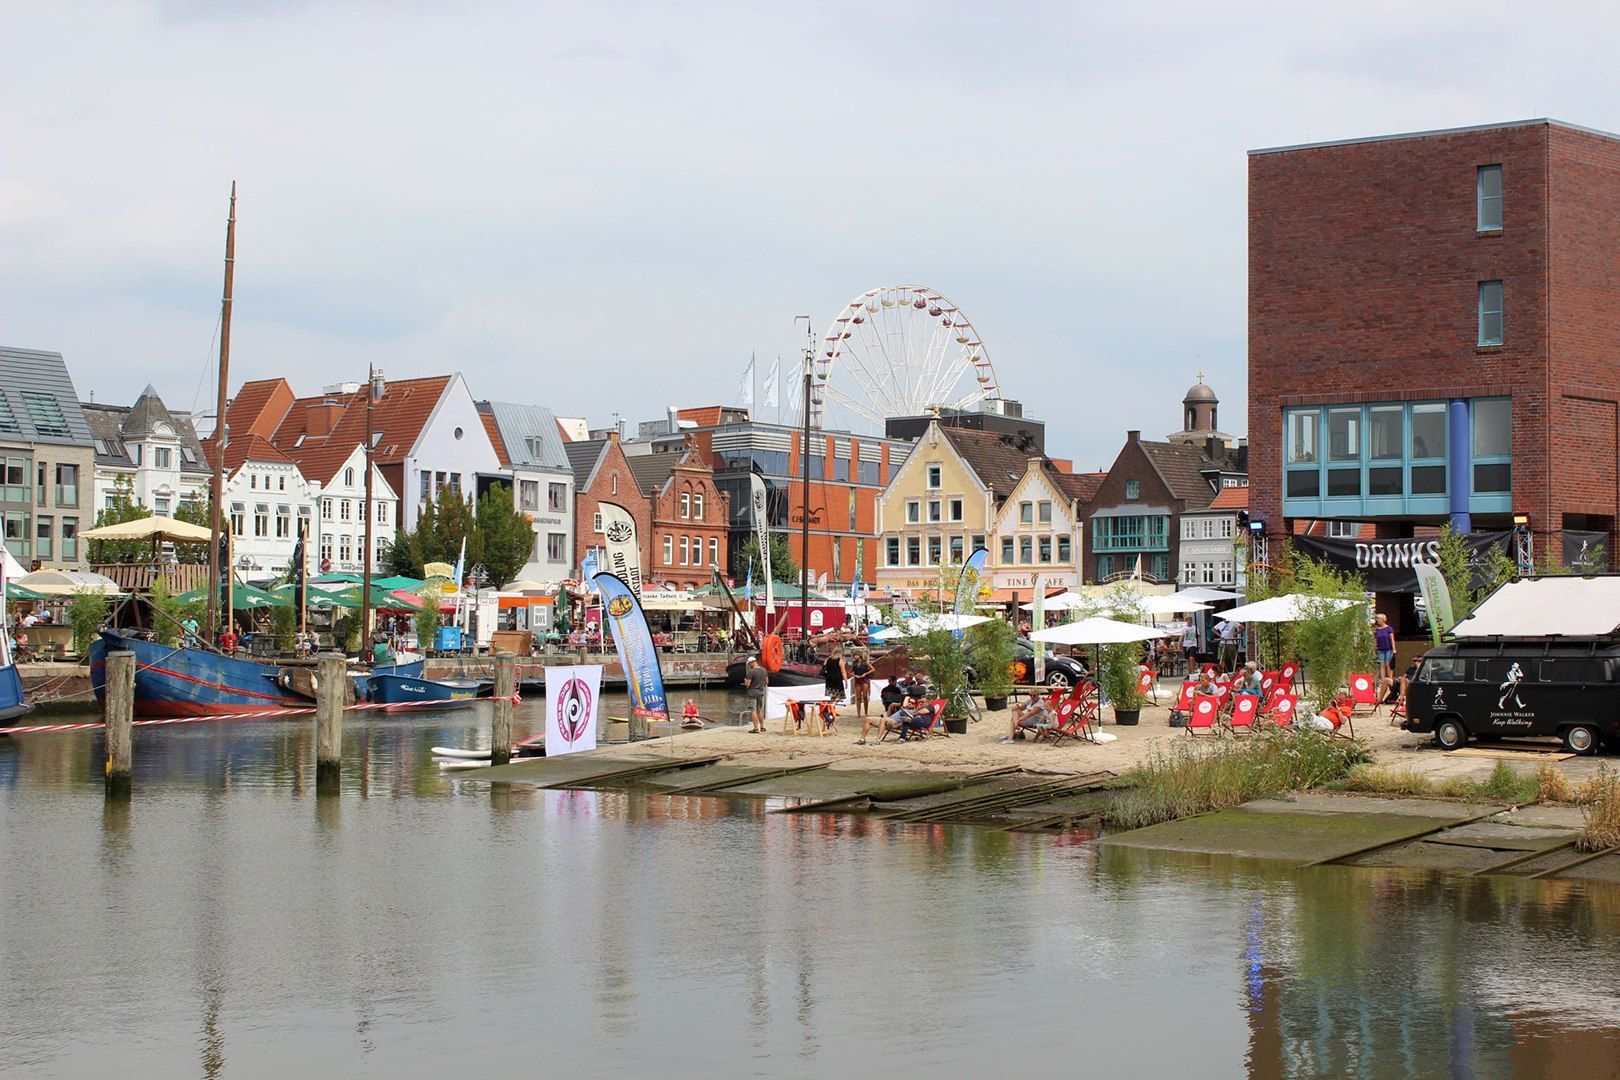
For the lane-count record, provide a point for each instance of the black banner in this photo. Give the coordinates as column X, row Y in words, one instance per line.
column 1588, row 551
column 1386, row 565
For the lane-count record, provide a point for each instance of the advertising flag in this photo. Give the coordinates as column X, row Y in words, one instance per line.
column 637, row 654
column 300, row 570
column 1436, row 597
column 761, row 504
column 461, row 563
column 745, row 389
column 967, row 586
column 772, row 382
column 573, row 704
column 623, row 549
column 1038, row 622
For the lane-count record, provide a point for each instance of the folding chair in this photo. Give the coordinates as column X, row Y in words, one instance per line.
column 1184, row 701
column 1280, row 710
column 1269, row 681
column 1145, row 685
column 1286, row 675
column 1077, row 716
column 1205, row 715
column 1364, row 691
column 1245, row 709
column 1223, row 695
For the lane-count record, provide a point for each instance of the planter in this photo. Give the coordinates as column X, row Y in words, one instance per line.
column 1127, row 717
column 995, row 704
column 956, row 726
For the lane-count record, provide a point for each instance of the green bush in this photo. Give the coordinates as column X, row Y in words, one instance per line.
column 427, row 624
column 87, row 611
column 945, row 663
column 991, row 646
column 284, row 619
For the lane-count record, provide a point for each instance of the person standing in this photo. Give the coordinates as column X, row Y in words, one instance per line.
column 1384, row 643
column 860, row 673
column 833, row 675
column 1229, row 631
column 755, row 680
column 1189, row 646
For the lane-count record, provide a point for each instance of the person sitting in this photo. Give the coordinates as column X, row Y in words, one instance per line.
column 1037, row 716
column 1206, row 683
column 1249, row 682
column 689, row 714
column 892, row 695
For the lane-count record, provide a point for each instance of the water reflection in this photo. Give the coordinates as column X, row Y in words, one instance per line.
column 425, row 924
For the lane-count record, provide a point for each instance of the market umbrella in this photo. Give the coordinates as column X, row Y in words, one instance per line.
column 1290, row 607
column 924, row 624
column 68, row 582
column 15, row 592
column 1065, row 601
column 1213, row 596
column 1170, row 605
column 242, row 597
column 153, row 527
column 390, row 584
column 1097, row 631
column 314, row 597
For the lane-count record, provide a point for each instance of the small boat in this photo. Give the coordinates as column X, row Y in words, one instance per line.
column 521, row 750
column 174, row 681
column 391, row 689
column 790, row 674
column 13, row 702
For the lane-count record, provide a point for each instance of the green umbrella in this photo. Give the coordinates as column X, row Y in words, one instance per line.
column 315, row 598
column 15, row 592
column 389, row 584
column 243, row 597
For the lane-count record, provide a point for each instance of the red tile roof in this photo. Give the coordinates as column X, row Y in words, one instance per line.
column 242, row 450
column 398, row 419
column 1081, row 487
column 494, row 431
column 1231, row 498
column 258, row 407
column 703, row 416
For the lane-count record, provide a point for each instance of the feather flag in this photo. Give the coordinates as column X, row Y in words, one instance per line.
column 461, row 563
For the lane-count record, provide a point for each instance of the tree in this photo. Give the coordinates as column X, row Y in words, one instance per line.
column 121, row 507
column 1469, row 577
column 503, row 538
column 443, row 524
column 784, row 567
column 196, row 511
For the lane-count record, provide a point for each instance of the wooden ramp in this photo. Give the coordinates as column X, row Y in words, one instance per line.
column 589, row 769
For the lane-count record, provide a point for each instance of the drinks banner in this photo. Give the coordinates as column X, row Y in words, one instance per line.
column 623, row 545
column 637, row 654
column 761, row 505
column 573, row 705
column 1386, row 565
column 967, row 586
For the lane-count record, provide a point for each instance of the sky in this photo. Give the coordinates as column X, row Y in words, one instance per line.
column 607, row 208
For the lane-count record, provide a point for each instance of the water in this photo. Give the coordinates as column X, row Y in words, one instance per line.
column 227, row 922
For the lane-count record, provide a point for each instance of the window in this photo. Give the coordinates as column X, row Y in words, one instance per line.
column 933, row 476
column 685, row 546
column 1493, row 445
column 913, row 551
column 686, row 505
column 555, row 545
column 891, row 551
column 697, row 551
column 1065, row 550
column 17, row 534
column 1301, row 425
column 1490, row 313
column 15, row 488
column 697, row 505
column 557, row 496
column 1026, row 550
column 348, row 477
column 934, row 547
column 382, row 513
column 283, row 522
column 1139, row 533
column 528, row 494
column 933, row 510
column 867, row 472
column 45, row 413
column 344, row 509
column 326, row 509
column 1006, row 551
column 1133, row 490
column 1045, row 549
column 956, row 509
column 8, row 421
column 253, row 481
column 613, row 484
column 913, row 511
column 1227, row 524
column 1343, row 530
column 669, row 545
column 345, row 547
column 1228, row 573
column 281, row 482
column 426, row 490
column 43, row 528
column 596, row 523
column 1488, row 197
column 238, row 512
column 326, row 548
column 1208, row 528
column 67, row 485
column 261, row 519
column 70, row 538
column 1044, row 512
column 161, row 504
column 714, row 551
column 956, row 549
column 162, row 457
column 1026, row 513
column 1209, row 573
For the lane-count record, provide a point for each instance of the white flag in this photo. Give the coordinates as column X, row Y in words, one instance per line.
column 745, row 389
column 623, row 547
column 573, row 703
column 771, row 383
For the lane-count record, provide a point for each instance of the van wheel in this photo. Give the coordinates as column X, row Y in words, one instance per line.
column 1581, row 739
column 1450, row 734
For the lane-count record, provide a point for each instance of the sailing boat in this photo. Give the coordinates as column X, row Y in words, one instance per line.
column 13, row 702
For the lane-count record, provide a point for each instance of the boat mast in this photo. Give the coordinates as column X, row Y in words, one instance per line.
column 804, row 509
column 218, row 573
column 374, row 388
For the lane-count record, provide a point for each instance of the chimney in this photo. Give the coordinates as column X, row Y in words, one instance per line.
column 1213, row 447
column 621, row 427
column 321, row 419
column 1133, row 436
column 674, row 419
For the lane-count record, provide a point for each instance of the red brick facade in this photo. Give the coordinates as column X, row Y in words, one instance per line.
column 1364, row 266
column 612, row 482
column 688, row 507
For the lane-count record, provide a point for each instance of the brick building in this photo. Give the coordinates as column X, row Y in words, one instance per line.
column 1431, row 330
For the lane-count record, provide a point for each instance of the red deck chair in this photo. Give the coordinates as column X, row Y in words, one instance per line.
column 1364, row 691
column 1269, row 681
column 1076, row 716
column 1223, row 694
column 1245, row 709
column 1144, row 685
column 1206, row 711
column 1184, row 701
column 1280, row 711
column 1287, row 674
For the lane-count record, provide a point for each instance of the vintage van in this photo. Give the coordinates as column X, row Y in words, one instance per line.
column 1503, row 688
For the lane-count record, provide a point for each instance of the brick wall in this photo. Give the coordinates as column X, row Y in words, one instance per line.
column 612, row 483
column 1131, row 464
column 691, row 477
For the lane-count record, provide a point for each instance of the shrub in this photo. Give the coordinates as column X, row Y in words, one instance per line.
column 991, row 647
column 86, row 612
column 427, row 625
column 285, row 621
column 1553, row 786
column 943, row 660
column 1600, row 829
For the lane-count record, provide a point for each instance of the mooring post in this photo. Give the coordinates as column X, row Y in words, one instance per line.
column 330, row 679
column 120, row 713
column 500, row 735
column 638, row 727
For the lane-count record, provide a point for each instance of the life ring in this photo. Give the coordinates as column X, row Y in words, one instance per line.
column 770, row 652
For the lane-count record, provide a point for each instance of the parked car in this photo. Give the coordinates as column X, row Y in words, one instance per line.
column 1518, row 689
column 1061, row 671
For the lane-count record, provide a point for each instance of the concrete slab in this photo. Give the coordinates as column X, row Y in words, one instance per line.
column 1290, row 835
column 1327, row 802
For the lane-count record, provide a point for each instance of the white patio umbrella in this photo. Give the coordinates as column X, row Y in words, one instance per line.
column 1212, row 596
column 1290, row 607
column 1175, row 604
column 1066, row 601
column 1097, row 631
column 68, row 582
column 923, row 624
column 151, row 527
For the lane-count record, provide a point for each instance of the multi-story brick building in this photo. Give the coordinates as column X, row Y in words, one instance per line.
column 1432, row 330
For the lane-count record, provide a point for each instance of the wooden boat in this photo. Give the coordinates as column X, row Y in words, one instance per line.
column 174, row 681
column 390, row 689
column 13, row 702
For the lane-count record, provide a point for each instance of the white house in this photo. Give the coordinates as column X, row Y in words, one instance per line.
column 1036, row 535
column 148, row 453
column 340, row 535
column 266, row 497
column 529, row 444
column 1209, row 541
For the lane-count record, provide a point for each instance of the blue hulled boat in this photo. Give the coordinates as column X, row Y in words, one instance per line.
column 13, row 702
column 388, row 689
column 173, row 681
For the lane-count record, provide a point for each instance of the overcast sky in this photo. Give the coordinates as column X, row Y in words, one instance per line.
column 606, row 208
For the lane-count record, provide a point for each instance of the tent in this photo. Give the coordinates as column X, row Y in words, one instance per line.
column 68, row 582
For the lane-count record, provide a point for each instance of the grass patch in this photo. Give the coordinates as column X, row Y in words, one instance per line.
column 1382, row 781
column 1505, row 784
column 1195, row 778
column 1600, row 811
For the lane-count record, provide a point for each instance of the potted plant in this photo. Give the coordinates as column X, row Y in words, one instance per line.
column 991, row 646
column 1118, row 668
column 945, row 664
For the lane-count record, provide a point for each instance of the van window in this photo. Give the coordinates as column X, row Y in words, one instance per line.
column 1443, row 669
column 1571, row 671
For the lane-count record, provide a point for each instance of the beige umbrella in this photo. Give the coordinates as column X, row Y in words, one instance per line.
column 68, row 582
column 155, row 527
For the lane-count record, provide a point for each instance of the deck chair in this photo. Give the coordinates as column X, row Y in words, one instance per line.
column 1077, row 716
column 1287, row 674
column 1223, row 695
column 1145, row 685
column 1205, row 715
column 1184, row 702
column 1245, row 710
column 1269, row 681
column 1364, row 691
column 1280, row 710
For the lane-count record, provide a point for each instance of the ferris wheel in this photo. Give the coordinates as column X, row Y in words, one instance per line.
column 897, row 350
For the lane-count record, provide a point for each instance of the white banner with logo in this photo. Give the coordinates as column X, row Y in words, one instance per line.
column 760, row 503
column 623, row 546
column 573, row 704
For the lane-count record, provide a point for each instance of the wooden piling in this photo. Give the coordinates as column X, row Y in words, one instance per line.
column 120, row 714
column 500, row 736
column 331, row 679
column 638, row 727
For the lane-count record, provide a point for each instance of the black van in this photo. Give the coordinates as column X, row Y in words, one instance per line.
column 1505, row 688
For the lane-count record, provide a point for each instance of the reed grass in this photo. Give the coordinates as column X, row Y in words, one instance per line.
column 1505, row 784
column 1600, row 812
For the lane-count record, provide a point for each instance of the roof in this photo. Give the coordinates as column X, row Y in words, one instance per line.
column 110, row 426
column 1574, row 607
column 582, row 458
column 239, row 451
column 398, row 419
column 259, row 406
column 1541, row 122
column 997, row 460
column 1231, row 498
column 38, row 402
column 704, row 416
column 148, row 412
column 1182, row 468
column 652, row 470
column 1200, row 391
column 525, row 435
column 1081, row 487
column 106, row 424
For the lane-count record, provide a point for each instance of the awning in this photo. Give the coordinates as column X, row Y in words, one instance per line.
column 147, row 528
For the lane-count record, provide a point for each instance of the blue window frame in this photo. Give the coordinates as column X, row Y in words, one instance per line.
column 1488, row 198
column 1490, row 313
column 1148, row 532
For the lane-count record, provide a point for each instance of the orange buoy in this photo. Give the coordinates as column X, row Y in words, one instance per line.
column 770, row 652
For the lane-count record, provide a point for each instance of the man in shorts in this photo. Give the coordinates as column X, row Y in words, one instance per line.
column 755, row 680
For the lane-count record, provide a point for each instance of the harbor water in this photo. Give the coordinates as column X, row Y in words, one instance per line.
column 227, row 921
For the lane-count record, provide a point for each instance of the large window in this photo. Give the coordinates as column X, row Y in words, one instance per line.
column 1065, row 550
column 913, row 551
column 891, row 548
column 933, row 510
column 528, row 494
column 1136, row 533
column 1006, row 551
column 1492, row 423
column 868, row 472
column 934, row 549
column 1393, row 451
column 67, row 485
column 555, row 547
column 43, row 528
column 70, row 538
column 557, row 497
column 1490, row 313
column 913, row 511
column 956, row 509
column 1488, row 198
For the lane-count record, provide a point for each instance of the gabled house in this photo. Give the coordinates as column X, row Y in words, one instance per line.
column 46, row 461
column 266, row 498
column 529, row 446
column 602, row 474
column 690, row 516
column 147, row 453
